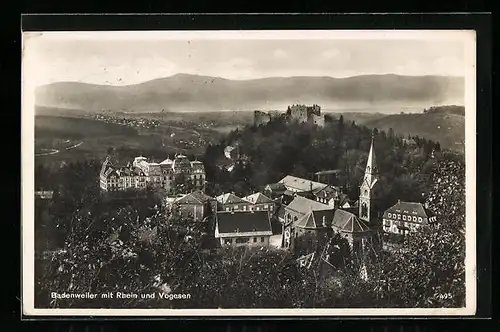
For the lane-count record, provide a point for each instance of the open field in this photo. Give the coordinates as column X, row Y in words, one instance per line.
column 59, row 138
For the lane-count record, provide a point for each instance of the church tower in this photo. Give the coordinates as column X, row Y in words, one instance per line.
column 369, row 190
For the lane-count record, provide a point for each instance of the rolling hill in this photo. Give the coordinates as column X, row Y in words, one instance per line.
column 183, row 92
column 444, row 124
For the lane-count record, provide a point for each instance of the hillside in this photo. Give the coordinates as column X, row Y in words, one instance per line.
column 77, row 128
column 446, row 127
column 185, row 92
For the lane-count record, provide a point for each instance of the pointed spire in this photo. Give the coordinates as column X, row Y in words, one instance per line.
column 371, row 164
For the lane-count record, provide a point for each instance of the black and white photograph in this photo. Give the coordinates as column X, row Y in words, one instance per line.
column 249, row 173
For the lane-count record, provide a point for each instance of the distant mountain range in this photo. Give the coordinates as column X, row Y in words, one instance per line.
column 184, row 92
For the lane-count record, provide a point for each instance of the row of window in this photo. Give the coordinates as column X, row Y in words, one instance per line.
column 398, row 216
column 240, row 240
column 394, row 227
column 250, row 208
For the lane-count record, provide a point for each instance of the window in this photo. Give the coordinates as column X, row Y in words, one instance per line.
column 227, row 209
column 244, row 207
column 389, row 215
column 295, row 218
column 364, row 210
column 257, row 208
column 265, row 207
column 254, row 239
column 419, row 219
column 271, row 207
column 404, row 217
column 414, row 219
column 242, row 240
column 262, row 239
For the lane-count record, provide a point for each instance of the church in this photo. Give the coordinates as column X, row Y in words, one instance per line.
column 360, row 225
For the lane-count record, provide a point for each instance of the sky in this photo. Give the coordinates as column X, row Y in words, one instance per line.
column 124, row 60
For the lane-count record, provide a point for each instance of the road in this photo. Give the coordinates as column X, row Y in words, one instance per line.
column 55, row 151
column 50, row 151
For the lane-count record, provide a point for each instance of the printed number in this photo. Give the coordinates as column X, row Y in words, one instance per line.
column 446, row 296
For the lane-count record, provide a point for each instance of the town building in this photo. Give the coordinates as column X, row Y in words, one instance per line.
column 354, row 230
column 403, row 218
column 231, row 202
column 332, row 196
column 274, row 190
column 246, row 228
column 299, row 185
column 143, row 173
column 304, row 216
column 196, row 205
column 260, row 202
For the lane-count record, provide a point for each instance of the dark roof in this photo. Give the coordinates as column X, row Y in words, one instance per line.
column 345, row 221
column 413, row 208
column 244, row 222
column 281, row 212
column 276, row 187
column 326, row 192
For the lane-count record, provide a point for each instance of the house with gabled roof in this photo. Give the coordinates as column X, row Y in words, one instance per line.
column 403, row 218
column 259, row 202
column 244, row 228
column 194, row 205
column 231, row 202
column 352, row 228
column 304, row 216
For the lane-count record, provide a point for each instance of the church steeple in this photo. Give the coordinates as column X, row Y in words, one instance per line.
column 368, row 194
column 371, row 164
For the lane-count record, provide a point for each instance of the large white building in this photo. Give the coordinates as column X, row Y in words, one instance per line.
column 142, row 173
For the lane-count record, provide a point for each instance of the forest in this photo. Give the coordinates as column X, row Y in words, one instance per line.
column 89, row 241
column 278, row 148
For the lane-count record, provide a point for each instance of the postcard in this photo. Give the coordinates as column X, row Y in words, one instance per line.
column 249, row 173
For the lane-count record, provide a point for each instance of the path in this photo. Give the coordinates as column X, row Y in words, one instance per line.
column 55, row 151
column 51, row 151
